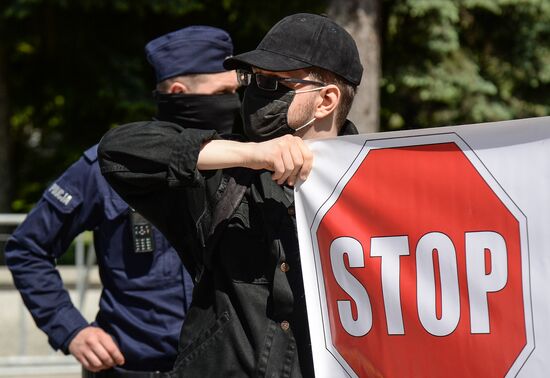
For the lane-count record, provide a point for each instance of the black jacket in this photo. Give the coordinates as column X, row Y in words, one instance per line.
column 235, row 231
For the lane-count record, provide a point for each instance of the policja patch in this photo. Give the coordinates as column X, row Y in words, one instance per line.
column 60, row 194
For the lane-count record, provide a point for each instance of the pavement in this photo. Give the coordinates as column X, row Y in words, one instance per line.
column 24, row 349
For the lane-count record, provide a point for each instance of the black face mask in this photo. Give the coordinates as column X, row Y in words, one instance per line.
column 264, row 113
column 207, row 112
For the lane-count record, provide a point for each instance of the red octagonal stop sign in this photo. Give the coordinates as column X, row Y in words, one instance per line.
column 425, row 265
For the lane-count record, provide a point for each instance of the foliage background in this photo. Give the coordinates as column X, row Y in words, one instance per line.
column 464, row 61
column 73, row 69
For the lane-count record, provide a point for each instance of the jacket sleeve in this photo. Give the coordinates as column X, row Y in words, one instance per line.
column 152, row 166
column 63, row 212
column 145, row 157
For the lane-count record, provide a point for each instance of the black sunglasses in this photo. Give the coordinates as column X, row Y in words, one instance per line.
column 270, row 83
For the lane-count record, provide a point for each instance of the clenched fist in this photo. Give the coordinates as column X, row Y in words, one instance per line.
column 287, row 156
column 95, row 349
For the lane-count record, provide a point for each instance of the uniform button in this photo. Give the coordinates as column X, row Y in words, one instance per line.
column 285, row 267
column 285, row 325
column 291, row 210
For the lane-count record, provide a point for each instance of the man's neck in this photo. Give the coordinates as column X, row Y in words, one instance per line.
column 321, row 129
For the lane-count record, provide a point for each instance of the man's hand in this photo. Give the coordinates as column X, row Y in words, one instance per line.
column 95, row 349
column 287, row 156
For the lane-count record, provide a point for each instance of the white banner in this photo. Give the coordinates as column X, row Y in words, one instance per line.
column 426, row 253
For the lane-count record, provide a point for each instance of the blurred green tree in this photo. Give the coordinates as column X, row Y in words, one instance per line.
column 69, row 70
column 464, row 61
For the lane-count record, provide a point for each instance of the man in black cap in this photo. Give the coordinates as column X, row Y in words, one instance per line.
column 231, row 203
column 146, row 291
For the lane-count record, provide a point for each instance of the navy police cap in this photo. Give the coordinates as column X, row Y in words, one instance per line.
column 191, row 50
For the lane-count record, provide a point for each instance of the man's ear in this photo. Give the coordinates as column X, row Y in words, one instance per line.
column 178, row 87
column 329, row 100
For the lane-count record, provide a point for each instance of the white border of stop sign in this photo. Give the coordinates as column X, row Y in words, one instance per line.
column 493, row 184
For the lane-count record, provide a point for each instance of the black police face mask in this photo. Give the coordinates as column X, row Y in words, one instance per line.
column 264, row 113
column 208, row 112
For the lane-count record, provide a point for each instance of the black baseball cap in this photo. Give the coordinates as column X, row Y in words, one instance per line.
column 304, row 40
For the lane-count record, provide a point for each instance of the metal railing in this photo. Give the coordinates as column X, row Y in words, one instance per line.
column 23, row 364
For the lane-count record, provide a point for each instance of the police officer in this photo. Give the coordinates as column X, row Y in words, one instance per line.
column 146, row 290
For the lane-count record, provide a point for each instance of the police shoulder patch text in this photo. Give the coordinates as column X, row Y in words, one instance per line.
column 60, row 194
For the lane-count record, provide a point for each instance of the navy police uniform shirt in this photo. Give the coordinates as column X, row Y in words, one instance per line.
column 145, row 295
